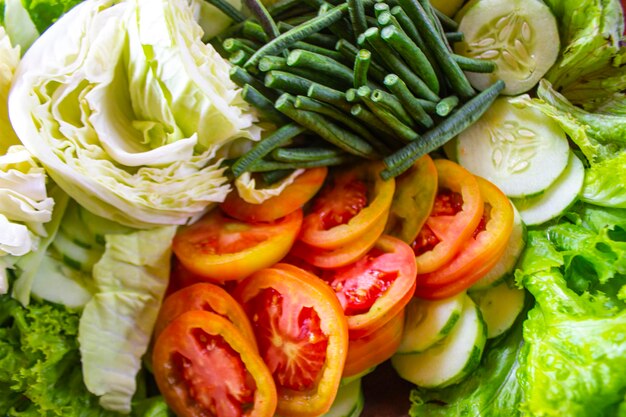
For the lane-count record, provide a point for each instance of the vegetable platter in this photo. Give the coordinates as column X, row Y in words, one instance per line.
column 312, row 208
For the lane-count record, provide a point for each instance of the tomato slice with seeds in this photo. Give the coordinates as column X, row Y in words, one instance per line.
column 376, row 287
column 373, row 349
column 413, row 200
column 456, row 211
column 204, row 366
column 344, row 255
column 293, row 197
column 479, row 253
column 220, row 248
column 207, row 297
column 351, row 201
column 302, row 336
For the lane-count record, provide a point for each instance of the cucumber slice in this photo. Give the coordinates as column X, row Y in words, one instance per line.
column 520, row 36
column 100, row 227
column 557, row 198
column 428, row 322
column 74, row 228
column 500, row 306
column 506, row 264
column 349, row 401
column 519, row 149
column 349, row 379
column 74, row 255
column 57, row 283
column 450, row 360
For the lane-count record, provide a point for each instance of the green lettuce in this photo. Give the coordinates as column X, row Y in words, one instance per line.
column 574, row 354
column 130, row 112
column 116, row 324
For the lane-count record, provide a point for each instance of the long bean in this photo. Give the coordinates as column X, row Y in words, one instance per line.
column 394, row 105
column 321, row 63
column 264, row 17
column 305, row 154
column 241, row 77
column 416, row 107
column 401, row 131
column 327, row 130
column 280, row 137
column 319, row 39
column 263, row 104
column 474, row 65
column 431, row 35
column 361, row 67
column 330, row 96
column 298, row 33
column 466, row 115
column 356, row 10
column 350, row 52
column 266, row 166
column 228, row 9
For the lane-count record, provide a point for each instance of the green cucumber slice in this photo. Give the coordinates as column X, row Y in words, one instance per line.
column 56, row 282
column 74, row 228
column 557, row 198
column 349, row 401
column 429, row 321
column 520, row 36
column 506, row 264
column 450, row 360
column 74, row 255
column 519, row 149
column 500, row 306
column 100, row 227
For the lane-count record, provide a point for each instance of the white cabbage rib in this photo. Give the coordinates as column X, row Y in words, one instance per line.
column 128, row 110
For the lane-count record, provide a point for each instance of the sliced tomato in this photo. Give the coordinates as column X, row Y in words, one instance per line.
column 207, row 297
column 456, row 212
column 479, row 253
column 413, row 200
column 376, row 287
column 204, row 366
column 348, row 205
column 302, row 336
column 344, row 255
column 293, row 197
column 220, row 248
column 375, row 348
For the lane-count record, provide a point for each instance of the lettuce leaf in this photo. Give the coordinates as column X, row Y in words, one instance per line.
column 9, row 58
column 130, row 112
column 116, row 324
column 574, row 353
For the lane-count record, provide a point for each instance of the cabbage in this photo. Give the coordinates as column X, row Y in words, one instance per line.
column 9, row 58
column 130, row 112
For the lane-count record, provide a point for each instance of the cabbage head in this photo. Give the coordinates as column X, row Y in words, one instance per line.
column 130, row 112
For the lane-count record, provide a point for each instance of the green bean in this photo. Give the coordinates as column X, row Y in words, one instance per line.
column 226, row 8
column 288, row 82
column 415, row 106
column 451, row 126
column 327, row 130
column 453, row 37
column 263, row 104
column 272, row 177
column 282, row 6
column 361, row 66
column 264, row 17
column 412, row 55
column 350, row 52
column 232, row 45
column 241, row 77
column 298, row 33
column 455, row 76
column 254, row 31
column 321, row 63
column 380, row 8
column 401, row 131
column 474, row 65
column 266, row 166
column 277, row 63
column 305, row 154
column 329, row 95
column 361, row 112
column 280, row 137
column 239, row 58
column 319, row 50
column 415, row 83
column 446, row 105
column 319, row 39
column 393, row 104
column 352, row 96
column 408, row 26
column 446, row 21
column 309, row 104
column 356, row 11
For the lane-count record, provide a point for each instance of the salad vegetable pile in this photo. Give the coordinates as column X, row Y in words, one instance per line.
column 243, row 208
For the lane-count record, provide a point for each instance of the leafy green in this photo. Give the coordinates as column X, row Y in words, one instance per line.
column 130, row 112
column 491, row 390
column 43, row 13
column 574, row 353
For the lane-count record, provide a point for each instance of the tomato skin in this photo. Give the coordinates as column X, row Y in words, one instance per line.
column 204, row 366
column 219, row 248
column 350, row 203
column 413, row 200
column 277, row 300
column 376, row 287
column 450, row 227
column 478, row 254
column 293, row 197
column 207, row 297
column 375, row 348
column 344, row 255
